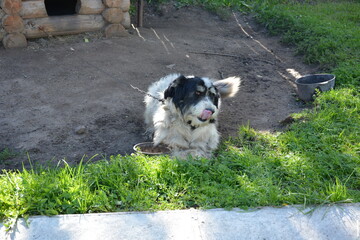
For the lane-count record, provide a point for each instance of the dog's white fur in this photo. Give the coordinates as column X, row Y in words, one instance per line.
column 170, row 126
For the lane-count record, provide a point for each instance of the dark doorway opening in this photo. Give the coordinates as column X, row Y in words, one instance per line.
column 60, row 7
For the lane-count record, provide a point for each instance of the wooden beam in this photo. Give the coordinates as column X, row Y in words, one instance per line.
column 126, row 22
column 33, row 9
column 11, row 6
column 89, row 7
column 14, row 40
column 60, row 25
column 115, row 30
column 2, row 13
column 113, row 15
column 125, row 5
column 112, row 3
column 2, row 33
column 13, row 24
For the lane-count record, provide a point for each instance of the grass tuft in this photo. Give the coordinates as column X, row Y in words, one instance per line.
column 6, row 154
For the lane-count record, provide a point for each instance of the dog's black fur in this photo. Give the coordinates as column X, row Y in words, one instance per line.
column 185, row 92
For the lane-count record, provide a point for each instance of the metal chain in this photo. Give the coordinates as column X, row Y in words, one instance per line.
column 148, row 94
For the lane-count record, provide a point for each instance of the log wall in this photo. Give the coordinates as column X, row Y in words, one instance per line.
column 24, row 19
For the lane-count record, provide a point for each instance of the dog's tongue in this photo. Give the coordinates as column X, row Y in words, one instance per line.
column 205, row 115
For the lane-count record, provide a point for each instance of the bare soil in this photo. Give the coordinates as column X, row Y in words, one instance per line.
column 70, row 97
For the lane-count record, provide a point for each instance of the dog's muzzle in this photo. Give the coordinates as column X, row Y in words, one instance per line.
column 206, row 114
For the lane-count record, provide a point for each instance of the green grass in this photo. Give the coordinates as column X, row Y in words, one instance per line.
column 6, row 154
column 325, row 33
column 315, row 161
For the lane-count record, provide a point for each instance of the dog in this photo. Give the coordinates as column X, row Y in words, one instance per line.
column 181, row 112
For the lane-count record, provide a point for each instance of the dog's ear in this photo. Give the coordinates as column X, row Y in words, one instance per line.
column 170, row 91
column 228, row 87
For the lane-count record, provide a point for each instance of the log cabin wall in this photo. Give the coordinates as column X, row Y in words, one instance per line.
column 25, row 19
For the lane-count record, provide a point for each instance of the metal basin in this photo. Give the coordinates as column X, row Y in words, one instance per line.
column 307, row 85
column 149, row 149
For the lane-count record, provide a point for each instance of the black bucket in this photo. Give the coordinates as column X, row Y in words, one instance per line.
column 307, row 85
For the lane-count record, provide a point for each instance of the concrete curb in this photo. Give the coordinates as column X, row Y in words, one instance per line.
column 332, row 222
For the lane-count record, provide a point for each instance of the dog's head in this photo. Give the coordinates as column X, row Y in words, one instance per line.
column 199, row 99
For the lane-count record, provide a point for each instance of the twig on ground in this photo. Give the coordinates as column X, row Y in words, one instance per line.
column 234, row 56
column 221, row 74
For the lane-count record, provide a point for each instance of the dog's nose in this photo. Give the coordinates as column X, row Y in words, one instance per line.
column 211, row 110
column 206, row 114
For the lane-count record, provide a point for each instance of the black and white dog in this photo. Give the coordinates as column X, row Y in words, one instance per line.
column 186, row 120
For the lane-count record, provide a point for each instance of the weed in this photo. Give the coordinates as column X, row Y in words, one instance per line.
column 7, row 154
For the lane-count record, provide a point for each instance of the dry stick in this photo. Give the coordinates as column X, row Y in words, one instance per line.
column 234, row 56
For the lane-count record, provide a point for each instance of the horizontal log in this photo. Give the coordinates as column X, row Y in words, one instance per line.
column 2, row 13
column 11, row 6
column 13, row 23
column 2, row 33
column 125, row 5
column 126, row 22
column 89, row 6
column 113, row 15
column 33, row 9
column 14, row 40
column 112, row 3
column 60, row 25
column 115, row 30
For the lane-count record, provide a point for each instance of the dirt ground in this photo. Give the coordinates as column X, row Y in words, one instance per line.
column 70, row 96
